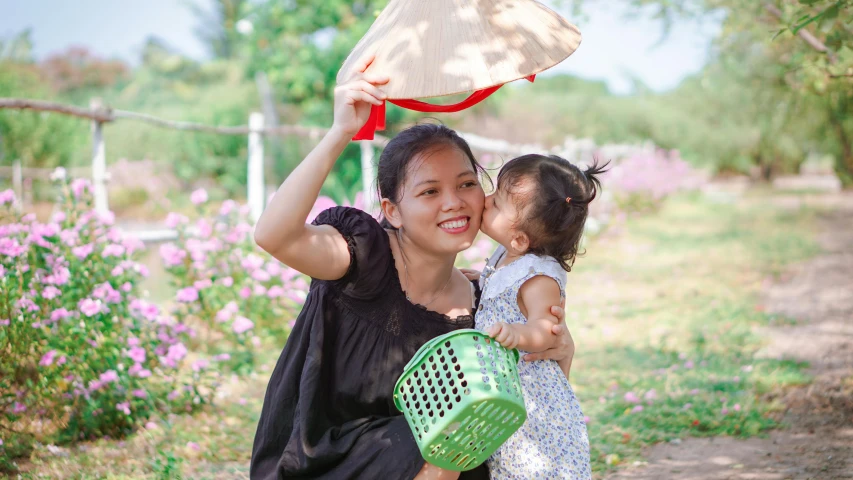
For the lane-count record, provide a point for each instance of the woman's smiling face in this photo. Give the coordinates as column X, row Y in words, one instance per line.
column 441, row 201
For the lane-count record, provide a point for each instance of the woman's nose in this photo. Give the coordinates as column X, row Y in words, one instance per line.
column 452, row 201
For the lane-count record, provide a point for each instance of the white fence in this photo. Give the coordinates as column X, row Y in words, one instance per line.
column 577, row 150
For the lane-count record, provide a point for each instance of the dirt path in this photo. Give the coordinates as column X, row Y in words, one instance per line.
column 818, row 444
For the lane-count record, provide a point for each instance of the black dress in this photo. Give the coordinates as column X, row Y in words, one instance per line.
column 328, row 410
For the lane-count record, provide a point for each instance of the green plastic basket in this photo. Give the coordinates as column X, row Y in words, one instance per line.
column 462, row 398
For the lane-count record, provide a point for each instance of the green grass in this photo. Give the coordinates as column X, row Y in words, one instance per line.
column 679, row 286
column 681, row 289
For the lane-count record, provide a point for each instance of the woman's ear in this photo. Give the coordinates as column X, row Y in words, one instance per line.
column 391, row 212
column 520, row 242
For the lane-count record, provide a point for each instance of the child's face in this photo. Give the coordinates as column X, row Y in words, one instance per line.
column 502, row 214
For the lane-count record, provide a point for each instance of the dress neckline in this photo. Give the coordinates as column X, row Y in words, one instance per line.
column 401, row 293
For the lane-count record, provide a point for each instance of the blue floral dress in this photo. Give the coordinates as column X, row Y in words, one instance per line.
column 553, row 442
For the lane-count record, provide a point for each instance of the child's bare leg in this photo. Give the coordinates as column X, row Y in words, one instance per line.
column 431, row 472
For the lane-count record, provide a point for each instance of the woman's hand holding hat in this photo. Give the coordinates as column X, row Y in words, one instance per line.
column 354, row 98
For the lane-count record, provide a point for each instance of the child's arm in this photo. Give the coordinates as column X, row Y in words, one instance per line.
column 535, row 299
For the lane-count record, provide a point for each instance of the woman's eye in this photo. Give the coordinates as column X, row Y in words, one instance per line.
column 431, row 191
column 469, row 184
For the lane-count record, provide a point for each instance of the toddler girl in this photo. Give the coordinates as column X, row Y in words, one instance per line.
column 537, row 215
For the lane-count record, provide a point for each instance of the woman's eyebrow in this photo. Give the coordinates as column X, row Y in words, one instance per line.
column 466, row 172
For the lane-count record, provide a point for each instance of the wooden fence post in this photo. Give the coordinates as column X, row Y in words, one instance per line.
column 99, row 162
column 256, row 166
column 368, row 174
column 18, row 183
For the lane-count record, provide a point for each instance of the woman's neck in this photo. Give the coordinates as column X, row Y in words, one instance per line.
column 423, row 274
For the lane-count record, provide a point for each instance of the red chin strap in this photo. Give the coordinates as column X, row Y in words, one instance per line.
column 376, row 121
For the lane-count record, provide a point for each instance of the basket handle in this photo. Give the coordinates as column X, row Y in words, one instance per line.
column 427, row 348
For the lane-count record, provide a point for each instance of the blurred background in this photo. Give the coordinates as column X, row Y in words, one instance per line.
column 729, row 124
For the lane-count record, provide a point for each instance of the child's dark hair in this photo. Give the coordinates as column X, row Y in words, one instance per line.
column 556, row 207
column 405, row 146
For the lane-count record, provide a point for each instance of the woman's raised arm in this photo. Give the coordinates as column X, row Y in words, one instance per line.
column 317, row 251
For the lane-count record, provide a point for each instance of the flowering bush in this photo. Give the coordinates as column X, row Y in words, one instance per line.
column 231, row 290
column 640, row 182
column 82, row 355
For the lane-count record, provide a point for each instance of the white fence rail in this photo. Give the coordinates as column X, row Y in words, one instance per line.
column 573, row 149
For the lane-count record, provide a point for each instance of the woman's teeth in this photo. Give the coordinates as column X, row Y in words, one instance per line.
column 454, row 224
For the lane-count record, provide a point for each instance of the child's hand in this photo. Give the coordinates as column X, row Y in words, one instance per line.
column 504, row 334
column 470, row 273
column 354, row 98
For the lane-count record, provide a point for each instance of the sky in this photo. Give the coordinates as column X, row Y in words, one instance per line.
column 617, row 46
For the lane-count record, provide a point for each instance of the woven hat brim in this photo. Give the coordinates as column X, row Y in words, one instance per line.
column 431, row 48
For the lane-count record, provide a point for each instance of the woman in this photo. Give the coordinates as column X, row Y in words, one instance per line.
column 379, row 293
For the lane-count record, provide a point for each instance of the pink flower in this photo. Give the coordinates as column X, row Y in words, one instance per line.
column 737, row 407
column 90, row 307
column 137, row 354
column 241, row 325
column 259, row 290
column 223, row 315
column 172, row 256
column 252, row 262
column 273, row 268
column 132, row 342
column 83, row 251
column 139, row 393
column 275, row 291
column 688, row 364
column 59, row 314
column 724, row 411
column 137, row 371
column 187, row 295
column 261, row 275
column 176, row 352
column 226, row 281
column 108, row 376
column 637, row 409
column 695, row 391
column 199, row 365
column 50, row 292
column 193, row 446
column 174, row 219
column 199, row 196
column 585, row 419
column 18, row 407
column 630, row 397
column 113, row 250
column 47, row 358
column 126, row 287
column 173, row 394
column 123, row 407
column 687, row 406
column 7, row 196
column 651, row 395
column 245, row 292
column 222, row 357
column 227, row 207
column 202, row 284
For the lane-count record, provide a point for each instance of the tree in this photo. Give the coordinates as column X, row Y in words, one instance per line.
column 810, row 42
column 218, row 28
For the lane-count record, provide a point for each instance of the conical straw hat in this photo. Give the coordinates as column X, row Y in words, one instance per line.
column 430, row 48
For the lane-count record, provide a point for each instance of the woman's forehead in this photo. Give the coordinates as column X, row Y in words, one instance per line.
column 439, row 164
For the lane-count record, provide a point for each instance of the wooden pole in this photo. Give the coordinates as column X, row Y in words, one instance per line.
column 368, row 175
column 18, row 182
column 256, row 165
column 99, row 160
